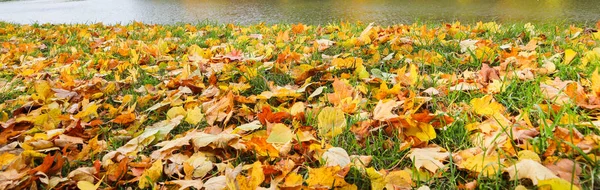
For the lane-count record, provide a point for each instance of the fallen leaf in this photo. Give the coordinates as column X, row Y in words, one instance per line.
column 428, row 158
column 556, row 183
column 336, row 156
column 486, row 106
column 86, row 185
column 331, row 122
column 280, row 134
column 194, row 116
column 569, row 55
column 383, row 111
column 151, row 174
column 325, row 177
column 533, row 170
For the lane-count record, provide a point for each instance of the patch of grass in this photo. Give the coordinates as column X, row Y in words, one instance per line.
column 519, row 94
column 11, row 95
column 454, row 136
column 385, row 152
column 356, row 177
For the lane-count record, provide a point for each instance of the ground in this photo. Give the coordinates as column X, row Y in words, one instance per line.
column 346, row 105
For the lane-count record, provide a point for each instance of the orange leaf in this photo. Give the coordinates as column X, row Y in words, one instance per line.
column 125, row 118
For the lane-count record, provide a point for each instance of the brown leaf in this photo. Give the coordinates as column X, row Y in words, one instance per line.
column 487, row 74
column 566, row 169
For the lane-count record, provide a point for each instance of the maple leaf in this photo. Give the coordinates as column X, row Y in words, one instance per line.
column 261, row 147
column 117, row 171
column 486, row 106
column 326, row 177
column 197, row 166
column 151, row 174
column 423, row 131
column 528, row 168
column 383, row 111
column 323, row 44
column 566, row 169
column 428, row 158
column 234, row 55
column 194, row 116
column 488, row 74
column 487, row 165
column 341, row 90
column 299, row 28
column 292, row 180
column 331, row 122
column 176, row 111
column 125, row 118
column 268, row 116
column 255, row 178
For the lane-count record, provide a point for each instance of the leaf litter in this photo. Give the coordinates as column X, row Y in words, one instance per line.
column 268, row 106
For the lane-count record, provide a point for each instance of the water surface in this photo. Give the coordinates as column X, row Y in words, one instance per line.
column 294, row 11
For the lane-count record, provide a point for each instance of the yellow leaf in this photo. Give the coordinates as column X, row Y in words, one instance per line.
column 256, row 178
column 43, row 90
column 486, row 106
column 3, row 116
column 280, row 134
column 194, row 116
column 484, row 54
column 413, row 74
column 88, row 111
column 520, row 187
column 596, row 82
column 325, row 177
column 175, row 111
column 487, row 165
column 377, row 179
column 424, row 132
column 6, row 158
column 292, row 180
column 361, row 72
column 86, row 185
column 556, row 184
column 151, row 174
column 528, row 154
column 96, row 95
column 331, row 122
column 569, row 55
column 398, row 180
column 596, row 35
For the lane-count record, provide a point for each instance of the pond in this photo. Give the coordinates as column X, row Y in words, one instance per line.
column 294, row 11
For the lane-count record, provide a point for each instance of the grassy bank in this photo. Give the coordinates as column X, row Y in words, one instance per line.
column 357, row 106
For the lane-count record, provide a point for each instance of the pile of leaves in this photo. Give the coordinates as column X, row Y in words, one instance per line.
column 349, row 106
